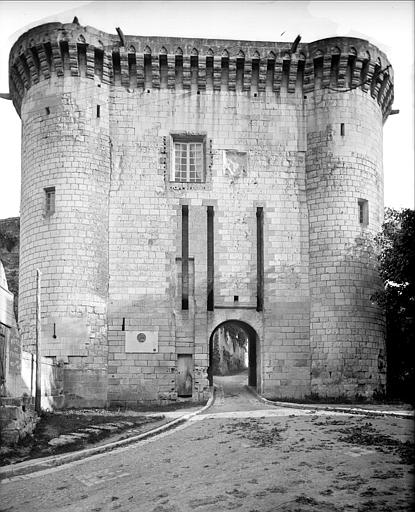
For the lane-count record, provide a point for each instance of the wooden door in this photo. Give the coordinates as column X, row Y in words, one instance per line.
column 184, row 381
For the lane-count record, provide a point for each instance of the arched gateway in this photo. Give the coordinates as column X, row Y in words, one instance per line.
column 233, row 348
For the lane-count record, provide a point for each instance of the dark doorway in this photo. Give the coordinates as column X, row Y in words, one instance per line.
column 233, row 351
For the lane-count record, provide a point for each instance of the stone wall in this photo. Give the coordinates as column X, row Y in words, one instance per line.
column 17, row 420
column 18, row 376
column 10, row 344
column 100, row 116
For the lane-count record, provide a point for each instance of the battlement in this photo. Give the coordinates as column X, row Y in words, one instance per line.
column 138, row 62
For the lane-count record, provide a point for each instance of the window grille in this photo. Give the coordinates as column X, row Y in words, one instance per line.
column 188, row 161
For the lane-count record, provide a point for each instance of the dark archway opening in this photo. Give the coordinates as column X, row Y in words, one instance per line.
column 233, row 351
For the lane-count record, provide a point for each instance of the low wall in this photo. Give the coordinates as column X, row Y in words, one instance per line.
column 18, row 419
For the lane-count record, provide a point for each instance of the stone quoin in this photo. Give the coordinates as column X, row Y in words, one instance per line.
column 170, row 185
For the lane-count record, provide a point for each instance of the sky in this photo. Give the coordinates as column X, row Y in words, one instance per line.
column 387, row 24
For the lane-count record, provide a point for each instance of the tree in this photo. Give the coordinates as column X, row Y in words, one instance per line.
column 396, row 258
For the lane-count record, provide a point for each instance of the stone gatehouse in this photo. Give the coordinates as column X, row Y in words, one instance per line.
column 172, row 185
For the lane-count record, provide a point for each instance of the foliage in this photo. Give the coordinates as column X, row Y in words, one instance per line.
column 8, row 240
column 396, row 244
column 9, row 254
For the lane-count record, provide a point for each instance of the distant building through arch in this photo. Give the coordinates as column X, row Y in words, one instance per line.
column 233, row 347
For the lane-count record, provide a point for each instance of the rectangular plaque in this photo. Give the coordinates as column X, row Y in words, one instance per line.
column 141, row 342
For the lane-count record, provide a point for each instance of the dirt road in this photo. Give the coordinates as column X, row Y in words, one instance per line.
column 240, row 455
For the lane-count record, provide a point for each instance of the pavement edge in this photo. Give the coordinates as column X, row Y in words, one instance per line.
column 333, row 408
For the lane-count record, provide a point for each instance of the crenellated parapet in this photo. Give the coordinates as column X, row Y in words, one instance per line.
column 339, row 64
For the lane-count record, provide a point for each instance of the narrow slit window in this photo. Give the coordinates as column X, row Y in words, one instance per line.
column 98, row 110
column 210, row 259
column 50, row 200
column 342, row 130
column 185, row 257
column 260, row 257
column 363, row 211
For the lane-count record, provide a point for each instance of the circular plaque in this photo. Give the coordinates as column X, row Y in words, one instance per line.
column 141, row 337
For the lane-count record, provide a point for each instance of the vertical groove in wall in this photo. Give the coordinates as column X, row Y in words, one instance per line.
column 185, row 257
column 210, row 259
column 260, row 257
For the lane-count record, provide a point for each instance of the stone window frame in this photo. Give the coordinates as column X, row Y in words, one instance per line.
column 188, row 138
column 50, row 201
column 363, row 212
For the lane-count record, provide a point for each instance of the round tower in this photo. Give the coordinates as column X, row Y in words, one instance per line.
column 59, row 87
column 348, row 93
